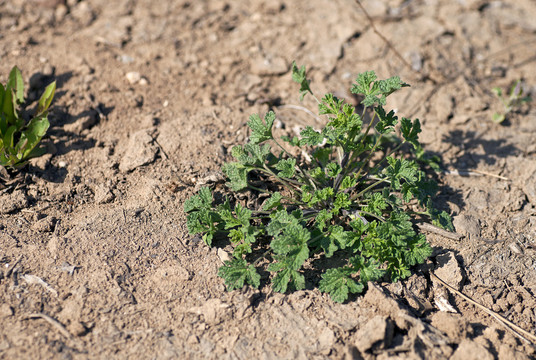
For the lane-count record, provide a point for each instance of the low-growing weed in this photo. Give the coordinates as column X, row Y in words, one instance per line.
column 18, row 139
column 511, row 102
column 346, row 203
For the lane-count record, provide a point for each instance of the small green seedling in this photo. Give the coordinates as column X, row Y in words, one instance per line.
column 514, row 100
column 18, row 139
column 343, row 210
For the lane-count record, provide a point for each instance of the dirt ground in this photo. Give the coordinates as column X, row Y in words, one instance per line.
column 95, row 258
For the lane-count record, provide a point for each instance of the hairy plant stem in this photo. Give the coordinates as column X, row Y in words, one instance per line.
column 372, row 186
column 351, row 154
column 304, row 173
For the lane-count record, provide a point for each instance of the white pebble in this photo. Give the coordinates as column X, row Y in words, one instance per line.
column 133, row 77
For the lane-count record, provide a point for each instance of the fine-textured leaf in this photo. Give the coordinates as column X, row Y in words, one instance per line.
column 338, row 284
column 203, row 200
column 237, row 175
column 410, row 131
column 299, row 75
column 237, row 272
column 273, row 201
column 387, row 121
column 261, row 131
column 286, row 167
column 310, row 137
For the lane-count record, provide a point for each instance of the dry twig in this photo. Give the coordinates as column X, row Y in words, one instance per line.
column 437, row 230
column 521, row 333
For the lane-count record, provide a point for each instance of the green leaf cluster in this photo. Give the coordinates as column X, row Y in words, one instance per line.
column 18, row 139
column 349, row 204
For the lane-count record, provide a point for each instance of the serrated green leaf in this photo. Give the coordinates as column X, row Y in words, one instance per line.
column 333, row 169
column 348, row 182
column 376, row 204
column 330, row 105
column 400, row 169
column 261, row 131
column 299, row 75
column 237, row 175
column 442, row 219
column 387, row 121
column 342, row 201
column 284, row 277
column 237, row 272
column 363, row 83
column 338, row 284
column 310, row 137
column 286, row 167
column 273, row 201
column 280, row 219
column 240, row 217
column 410, row 131
column 368, row 269
column 324, row 194
column 202, row 200
column 322, row 219
column 292, row 240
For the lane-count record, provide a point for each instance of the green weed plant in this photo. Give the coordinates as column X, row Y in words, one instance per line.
column 18, row 139
column 346, row 204
column 510, row 102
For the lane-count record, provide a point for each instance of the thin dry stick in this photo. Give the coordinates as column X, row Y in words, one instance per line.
column 55, row 323
column 523, row 334
column 388, row 43
column 474, row 173
column 12, row 267
column 296, row 107
column 437, row 230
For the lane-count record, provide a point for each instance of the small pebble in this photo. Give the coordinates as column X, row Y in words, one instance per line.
column 133, row 77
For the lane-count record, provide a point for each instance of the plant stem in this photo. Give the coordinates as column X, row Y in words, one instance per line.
column 355, row 196
column 304, row 173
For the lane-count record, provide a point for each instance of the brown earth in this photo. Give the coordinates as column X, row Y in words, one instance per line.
column 96, row 261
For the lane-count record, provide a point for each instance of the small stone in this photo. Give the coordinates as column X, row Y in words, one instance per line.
column 140, row 151
column 77, row 328
column 449, row 270
column 513, row 298
column 133, row 77
column 453, row 325
column 6, row 310
column 471, row 350
column 12, row 202
column 44, row 225
column 326, row 339
column 83, row 13
column 466, row 225
column 223, row 255
column 377, row 334
column 103, row 194
column 267, row 66
column 60, row 12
